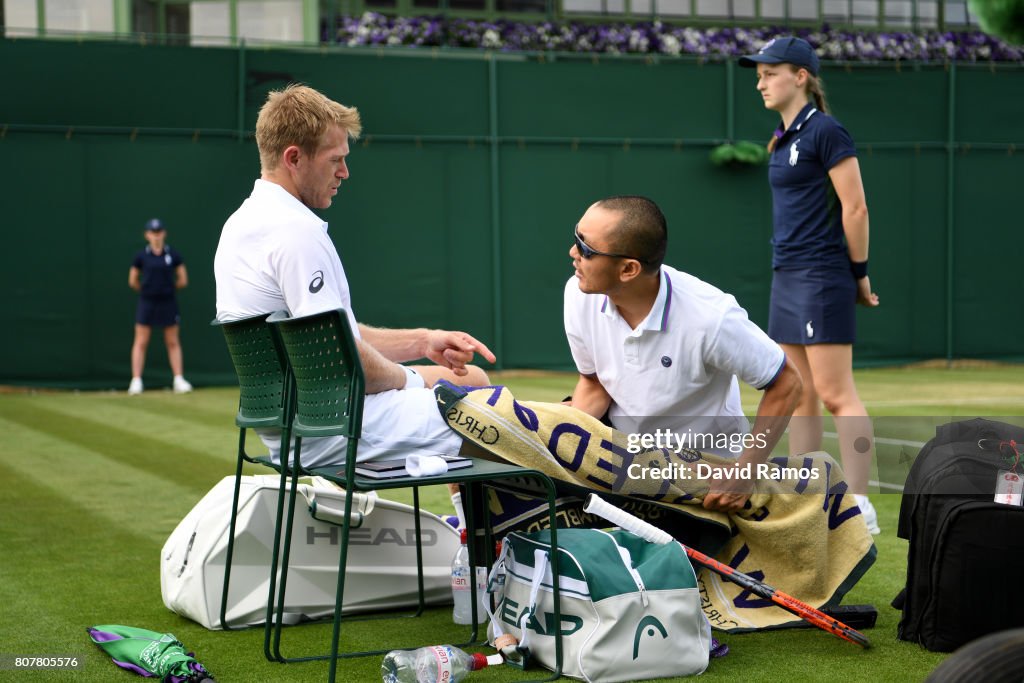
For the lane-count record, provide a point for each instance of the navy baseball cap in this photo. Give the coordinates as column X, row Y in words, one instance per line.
column 154, row 224
column 786, row 50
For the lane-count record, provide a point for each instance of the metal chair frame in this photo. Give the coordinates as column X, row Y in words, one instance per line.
column 266, row 400
column 329, row 395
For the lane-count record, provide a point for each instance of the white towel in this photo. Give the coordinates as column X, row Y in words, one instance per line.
column 425, row 465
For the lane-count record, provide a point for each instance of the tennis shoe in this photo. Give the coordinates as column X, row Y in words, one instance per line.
column 181, row 385
column 870, row 516
column 135, row 388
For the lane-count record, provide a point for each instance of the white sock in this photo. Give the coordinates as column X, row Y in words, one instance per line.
column 459, row 511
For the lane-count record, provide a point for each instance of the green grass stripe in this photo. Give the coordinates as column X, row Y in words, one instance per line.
column 214, row 409
column 149, row 420
column 552, row 387
column 144, row 502
column 67, row 567
column 176, row 458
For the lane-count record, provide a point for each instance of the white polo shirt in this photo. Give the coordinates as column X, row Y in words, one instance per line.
column 677, row 370
column 274, row 254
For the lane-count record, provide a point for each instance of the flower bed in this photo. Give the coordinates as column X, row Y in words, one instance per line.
column 656, row 37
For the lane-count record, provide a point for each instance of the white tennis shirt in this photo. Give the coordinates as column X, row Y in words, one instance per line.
column 678, row 369
column 274, row 254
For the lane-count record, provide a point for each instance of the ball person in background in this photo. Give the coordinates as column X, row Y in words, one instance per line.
column 820, row 255
column 157, row 272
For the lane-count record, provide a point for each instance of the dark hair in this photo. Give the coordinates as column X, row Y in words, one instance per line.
column 642, row 232
column 816, row 91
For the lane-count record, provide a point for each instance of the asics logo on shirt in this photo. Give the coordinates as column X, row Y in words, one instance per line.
column 317, row 283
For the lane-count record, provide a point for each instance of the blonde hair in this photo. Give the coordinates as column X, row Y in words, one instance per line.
column 299, row 115
column 815, row 92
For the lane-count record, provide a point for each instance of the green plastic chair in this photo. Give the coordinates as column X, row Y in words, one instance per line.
column 266, row 400
column 330, row 390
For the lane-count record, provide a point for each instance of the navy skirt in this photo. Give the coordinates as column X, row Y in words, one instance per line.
column 157, row 312
column 813, row 306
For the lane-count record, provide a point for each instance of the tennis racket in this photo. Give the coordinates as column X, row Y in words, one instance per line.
column 596, row 505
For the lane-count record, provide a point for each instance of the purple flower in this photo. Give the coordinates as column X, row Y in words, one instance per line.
column 664, row 38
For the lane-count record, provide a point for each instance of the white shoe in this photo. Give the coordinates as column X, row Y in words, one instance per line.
column 135, row 388
column 181, row 385
column 870, row 516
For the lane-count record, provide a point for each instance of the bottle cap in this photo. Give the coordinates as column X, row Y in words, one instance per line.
column 479, row 661
column 463, row 536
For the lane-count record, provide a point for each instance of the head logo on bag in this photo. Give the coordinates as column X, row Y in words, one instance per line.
column 507, row 609
column 648, row 621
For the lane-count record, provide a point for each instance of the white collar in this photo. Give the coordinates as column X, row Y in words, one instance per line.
column 657, row 318
column 276, row 193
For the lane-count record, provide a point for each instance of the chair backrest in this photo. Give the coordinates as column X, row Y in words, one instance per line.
column 266, row 391
column 329, row 381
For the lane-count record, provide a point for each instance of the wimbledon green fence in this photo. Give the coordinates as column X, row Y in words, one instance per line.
column 472, row 171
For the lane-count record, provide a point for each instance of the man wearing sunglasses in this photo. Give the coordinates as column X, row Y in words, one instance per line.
column 658, row 349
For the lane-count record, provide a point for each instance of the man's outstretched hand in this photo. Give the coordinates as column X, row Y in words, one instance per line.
column 454, row 350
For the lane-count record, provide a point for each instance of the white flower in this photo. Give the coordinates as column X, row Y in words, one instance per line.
column 491, row 38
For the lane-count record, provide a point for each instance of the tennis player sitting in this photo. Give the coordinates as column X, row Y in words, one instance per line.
column 658, row 349
column 274, row 254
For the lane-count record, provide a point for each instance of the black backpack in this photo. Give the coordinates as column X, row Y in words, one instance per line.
column 965, row 563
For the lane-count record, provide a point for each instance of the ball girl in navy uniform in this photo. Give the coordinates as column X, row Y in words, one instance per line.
column 157, row 272
column 820, row 255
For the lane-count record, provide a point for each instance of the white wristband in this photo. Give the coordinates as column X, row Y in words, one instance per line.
column 413, row 380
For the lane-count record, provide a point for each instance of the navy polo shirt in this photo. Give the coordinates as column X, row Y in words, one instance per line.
column 806, row 213
column 156, row 272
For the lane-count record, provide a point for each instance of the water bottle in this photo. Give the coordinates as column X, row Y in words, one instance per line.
column 432, row 664
column 461, row 589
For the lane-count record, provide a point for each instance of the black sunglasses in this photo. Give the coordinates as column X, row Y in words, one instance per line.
column 586, row 251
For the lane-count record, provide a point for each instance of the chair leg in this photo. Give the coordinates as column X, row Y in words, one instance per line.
column 339, row 599
column 419, row 552
column 269, row 625
column 294, row 470
column 471, row 525
column 231, row 533
column 556, row 592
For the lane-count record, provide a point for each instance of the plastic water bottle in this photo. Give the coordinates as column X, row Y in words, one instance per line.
column 432, row 664
column 461, row 589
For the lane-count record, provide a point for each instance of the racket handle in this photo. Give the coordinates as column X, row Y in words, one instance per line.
column 622, row 519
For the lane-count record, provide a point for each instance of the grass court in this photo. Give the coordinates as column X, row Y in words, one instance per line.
column 95, row 483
